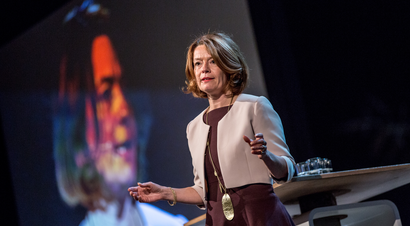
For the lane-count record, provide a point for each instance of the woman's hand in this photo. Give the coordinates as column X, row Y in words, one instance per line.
column 258, row 145
column 147, row 192
column 276, row 164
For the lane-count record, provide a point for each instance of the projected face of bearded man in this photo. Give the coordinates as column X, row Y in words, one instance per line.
column 110, row 138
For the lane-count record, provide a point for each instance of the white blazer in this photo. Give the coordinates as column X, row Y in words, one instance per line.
column 248, row 115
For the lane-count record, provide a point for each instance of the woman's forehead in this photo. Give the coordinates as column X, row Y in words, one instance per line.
column 201, row 52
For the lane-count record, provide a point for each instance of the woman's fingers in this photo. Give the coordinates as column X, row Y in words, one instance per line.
column 134, row 195
column 140, row 186
column 247, row 140
column 145, row 192
column 258, row 146
column 134, row 190
column 259, row 135
column 147, row 184
column 258, row 141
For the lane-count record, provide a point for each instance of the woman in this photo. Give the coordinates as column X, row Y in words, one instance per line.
column 237, row 144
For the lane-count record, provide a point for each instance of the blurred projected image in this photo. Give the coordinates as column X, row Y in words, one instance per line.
column 98, row 136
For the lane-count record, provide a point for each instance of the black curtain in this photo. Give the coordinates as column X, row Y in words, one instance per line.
column 336, row 71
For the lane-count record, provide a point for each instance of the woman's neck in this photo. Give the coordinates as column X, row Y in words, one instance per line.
column 220, row 101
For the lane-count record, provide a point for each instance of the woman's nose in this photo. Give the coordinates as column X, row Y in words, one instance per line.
column 205, row 68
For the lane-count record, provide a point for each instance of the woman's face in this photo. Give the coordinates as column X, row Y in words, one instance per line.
column 209, row 77
column 114, row 150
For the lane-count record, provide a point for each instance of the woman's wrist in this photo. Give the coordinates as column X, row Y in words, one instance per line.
column 174, row 197
column 264, row 154
column 166, row 194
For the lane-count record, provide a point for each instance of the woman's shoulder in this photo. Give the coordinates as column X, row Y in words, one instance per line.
column 243, row 97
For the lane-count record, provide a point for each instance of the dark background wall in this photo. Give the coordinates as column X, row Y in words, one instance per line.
column 336, row 71
column 16, row 17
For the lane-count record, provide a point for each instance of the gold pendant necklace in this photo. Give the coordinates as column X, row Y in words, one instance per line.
column 227, row 206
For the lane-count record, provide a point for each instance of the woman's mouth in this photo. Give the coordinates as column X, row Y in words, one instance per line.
column 206, row 79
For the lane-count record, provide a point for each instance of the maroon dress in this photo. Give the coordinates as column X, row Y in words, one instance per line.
column 254, row 204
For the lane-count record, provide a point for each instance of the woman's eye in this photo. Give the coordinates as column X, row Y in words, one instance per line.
column 197, row 64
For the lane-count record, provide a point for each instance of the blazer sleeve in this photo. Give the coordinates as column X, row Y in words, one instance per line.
column 198, row 187
column 267, row 121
